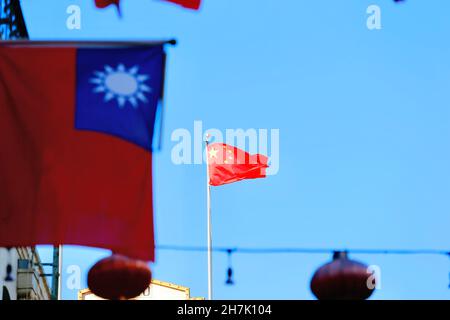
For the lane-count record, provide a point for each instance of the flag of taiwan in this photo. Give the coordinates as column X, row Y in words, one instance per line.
column 76, row 130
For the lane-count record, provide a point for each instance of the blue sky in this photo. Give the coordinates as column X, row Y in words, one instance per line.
column 364, row 123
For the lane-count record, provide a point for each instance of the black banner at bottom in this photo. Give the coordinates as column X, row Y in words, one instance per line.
column 226, row 309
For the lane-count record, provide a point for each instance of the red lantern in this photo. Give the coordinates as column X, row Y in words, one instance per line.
column 118, row 277
column 342, row 279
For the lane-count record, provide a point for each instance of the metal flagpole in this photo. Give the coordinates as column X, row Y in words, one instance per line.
column 60, row 265
column 55, row 276
column 209, row 225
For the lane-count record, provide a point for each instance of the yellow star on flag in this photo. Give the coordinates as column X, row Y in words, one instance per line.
column 213, row 153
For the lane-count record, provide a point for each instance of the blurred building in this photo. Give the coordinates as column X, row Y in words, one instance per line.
column 22, row 276
column 12, row 24
column 158, row 290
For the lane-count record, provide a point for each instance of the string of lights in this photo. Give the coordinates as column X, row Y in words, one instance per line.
column 293, row 250
column 296, row 250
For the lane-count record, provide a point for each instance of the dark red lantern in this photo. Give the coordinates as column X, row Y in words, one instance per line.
column 342, row 279
column 118, row 277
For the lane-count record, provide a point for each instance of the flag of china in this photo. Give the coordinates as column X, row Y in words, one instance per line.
column 76, row 128
column 228, row 164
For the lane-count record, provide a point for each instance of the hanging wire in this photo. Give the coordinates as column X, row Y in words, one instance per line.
column 230, row 280
column 243, row 250
column 8, row 276
column 293, row 250
column 449, row 273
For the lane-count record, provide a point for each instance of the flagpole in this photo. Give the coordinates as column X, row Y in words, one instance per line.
column 209, row 224
column 60, row 272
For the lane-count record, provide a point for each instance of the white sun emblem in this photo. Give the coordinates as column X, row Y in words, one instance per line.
column 122, row 84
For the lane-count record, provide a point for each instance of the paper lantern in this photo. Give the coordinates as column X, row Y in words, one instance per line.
column 118, row 278
column 342, row 279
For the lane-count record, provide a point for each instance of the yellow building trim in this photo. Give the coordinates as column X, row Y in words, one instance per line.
column 173, row 286
column 82, row 293
column 186, row 290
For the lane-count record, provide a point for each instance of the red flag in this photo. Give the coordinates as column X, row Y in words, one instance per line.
column 105, row 3
column 228, row 164
column 62, row 181
column 190, row 4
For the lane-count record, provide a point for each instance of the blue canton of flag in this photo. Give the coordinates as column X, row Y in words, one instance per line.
column 118, row 91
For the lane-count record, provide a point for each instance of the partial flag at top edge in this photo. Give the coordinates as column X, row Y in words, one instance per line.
column 190, row 4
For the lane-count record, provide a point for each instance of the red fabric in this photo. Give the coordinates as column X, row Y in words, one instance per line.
column 228, row 164
column 105, row 3
column 59, row 185
column 190, row 4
